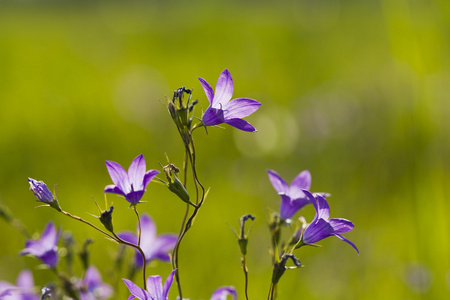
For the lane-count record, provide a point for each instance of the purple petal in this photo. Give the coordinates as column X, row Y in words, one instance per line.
column 118, row 175
column 149, row 176
column 49, row 258
column 25, row 280
column 240, row 108
column 137, row 291
column 212, row 117
column 136, row 172
column 323, row 211
column 341, row 225
column 317, row 231
column 113, row 189
column 50, row 236
column 289, row 207
column 208, row 89
column 168, row 284
column 222, row 293
column 241, row 124
column 154, row 287
column 224, row 89
column 347, row 241
column 161, row 246
column 302, row 181
column 278, row 183
column 92, row 277
column 134, row 197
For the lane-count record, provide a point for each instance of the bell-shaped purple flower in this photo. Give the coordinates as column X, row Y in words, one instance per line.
column 131, row 185
column 322, row 227
column 292, row 197
column 222, row 293
column 155, row 289
column 41, row 191
column 92, row 286
column 23, row 290
column 45, row 248
column 154, row 246
column 222, row 110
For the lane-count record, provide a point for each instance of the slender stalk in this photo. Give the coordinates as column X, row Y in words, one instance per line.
column 244, row 267
column 88, row 223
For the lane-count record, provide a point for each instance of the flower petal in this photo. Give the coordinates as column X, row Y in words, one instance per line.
column 302, row 181
column 289, row 207
column 212, row 117
column 278, row 183
column 222, row 293
column 136, row 172
column 50, row 236
column 347, row 241
column 160, row 247
column 323, row 211
column 168, row 284
column 137, row 291
column 128, row 236
column 341, row 225
column 49, row 258
column 113, row 189
column 240, row 108
column 25, row 280
column 241, row 124
column 208, row 89
column 118, row 175
column 317, row 231
column 154, row 287
column 224, row 89
column 149, row 175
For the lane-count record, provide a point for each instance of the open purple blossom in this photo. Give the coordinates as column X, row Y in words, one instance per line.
column 322, row 227
column 292, row 197
column 155, row 289
column 222, row 110
column 41, row 191
column 45, row 248
column 92, row 286
column 131, row 185
column 222, row 293
column 154, row 246
column 23, row 290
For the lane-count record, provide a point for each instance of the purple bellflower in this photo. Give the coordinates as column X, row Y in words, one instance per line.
column 92, row 286
column 131, row 185
column 23, row 290
column 154, row 247
column 292, row 197
column 223, row 292
column 322, row 227
column 222, row 110
column 41, row 191
column 155, row 289
column 44, row 248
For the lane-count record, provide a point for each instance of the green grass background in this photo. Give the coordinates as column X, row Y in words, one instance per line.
column 357, row 92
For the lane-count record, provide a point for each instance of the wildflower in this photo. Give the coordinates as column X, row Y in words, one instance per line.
column 131, row 185
column 222, row 293
column 155, row 289
column 154, row 247
column 23, row 290
column 222, row 110
column 92, row 286
column 322, row 227
column 45, row 248
column 292, row 197
column 41, row 191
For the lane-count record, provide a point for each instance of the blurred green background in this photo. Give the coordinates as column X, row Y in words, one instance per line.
column 354, row 91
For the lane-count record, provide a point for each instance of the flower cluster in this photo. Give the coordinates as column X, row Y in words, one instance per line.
column 147, row 245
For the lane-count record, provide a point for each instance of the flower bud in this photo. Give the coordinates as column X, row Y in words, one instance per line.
column 106, row 219
column 41, row 191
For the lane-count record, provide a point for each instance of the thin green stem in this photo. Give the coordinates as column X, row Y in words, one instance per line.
column 88, row 223
column 244, row 267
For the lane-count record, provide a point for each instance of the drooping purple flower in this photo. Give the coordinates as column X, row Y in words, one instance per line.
column 44, row 248
column 154, row 246
column 292, row 197
column 322, row 227
column 155, row 289
column 223, row 292
column 222, row 110
column 131, row 185
column 41, row 191
column 92, row 286
column 23, row 290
